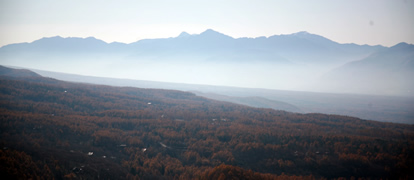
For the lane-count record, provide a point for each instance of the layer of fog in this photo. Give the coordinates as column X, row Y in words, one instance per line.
column 239, row 74
column 253, row 73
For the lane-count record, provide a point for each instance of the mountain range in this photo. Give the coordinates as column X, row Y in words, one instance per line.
column 294, row 48
column 298, row 61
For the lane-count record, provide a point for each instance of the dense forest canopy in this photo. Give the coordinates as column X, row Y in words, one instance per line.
column 52, row 129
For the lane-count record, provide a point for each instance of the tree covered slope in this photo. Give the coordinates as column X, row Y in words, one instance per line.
column 54, row 130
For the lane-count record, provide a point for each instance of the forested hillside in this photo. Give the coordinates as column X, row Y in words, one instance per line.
column 52, row 129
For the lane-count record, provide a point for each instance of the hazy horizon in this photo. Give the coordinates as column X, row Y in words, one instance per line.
column 298, row 64
column 184, row 31
column 362, row 22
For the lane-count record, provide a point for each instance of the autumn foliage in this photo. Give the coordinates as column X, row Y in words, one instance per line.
column 57, row 130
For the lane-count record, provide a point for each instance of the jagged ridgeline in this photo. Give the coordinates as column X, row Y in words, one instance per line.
column 53, row 129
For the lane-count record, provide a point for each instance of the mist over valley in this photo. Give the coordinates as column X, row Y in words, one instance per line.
column 299, row 61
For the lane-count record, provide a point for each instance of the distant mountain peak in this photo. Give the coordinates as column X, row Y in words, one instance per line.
column 318, row 39
column 59, row 39
column 211, row 33
column 92, row 38
column 403, row 46
column 53, row 37
column 306, row 34
column 302, row 33
column 183, row 34
column 49, row 39
column 71, row 38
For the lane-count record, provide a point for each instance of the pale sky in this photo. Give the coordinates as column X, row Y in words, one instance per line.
column 384, row 22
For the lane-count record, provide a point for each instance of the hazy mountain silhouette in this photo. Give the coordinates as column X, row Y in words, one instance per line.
column 311, row 49
column 209, row 45
column 388, row 71
column 299, row 47
column 291, row 62
column 57, row 43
